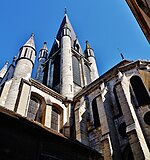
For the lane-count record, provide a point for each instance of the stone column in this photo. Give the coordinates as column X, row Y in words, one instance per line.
column 80, row 122
column 106, row 147
column 83, row 73
column 66, row 128
column 67, row 89
column 23, row 98
column 48, row 114
column 105, row 140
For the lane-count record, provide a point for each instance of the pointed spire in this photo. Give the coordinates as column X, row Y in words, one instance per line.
column 44, row 51
column 45, row 46
column 30, row 42
column 14, row 60
column 65, row 24
column 4, row 70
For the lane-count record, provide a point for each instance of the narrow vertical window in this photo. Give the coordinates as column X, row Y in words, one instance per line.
column 55, row 119
column 33, row 108
column 56, row 75
column 95, row 113
column 117, row 102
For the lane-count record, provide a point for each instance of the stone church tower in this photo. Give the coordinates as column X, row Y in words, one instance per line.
column 68, row 69
column 68, row 110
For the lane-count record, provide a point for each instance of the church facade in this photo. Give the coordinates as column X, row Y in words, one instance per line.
column 107, row 116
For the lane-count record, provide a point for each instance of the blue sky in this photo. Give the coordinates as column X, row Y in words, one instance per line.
column 106, row 24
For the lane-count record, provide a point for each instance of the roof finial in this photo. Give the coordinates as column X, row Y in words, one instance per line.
column 14, row 60
column 121, row 54
column 65, row 10
column 87, row 44
column 32, row 35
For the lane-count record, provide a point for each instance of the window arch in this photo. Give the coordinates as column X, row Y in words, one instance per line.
column 76, row 70
column 55, row 119
column 87, row 74
column 95, row 113
column 140, row 91
column 36, row 109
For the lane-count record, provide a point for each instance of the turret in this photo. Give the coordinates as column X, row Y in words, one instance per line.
column 42, row 58
column 25, row 61
column 89, row 54
column 66, row 63
column 23, row 70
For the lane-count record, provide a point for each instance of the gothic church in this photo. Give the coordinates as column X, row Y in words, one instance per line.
column 69, row 112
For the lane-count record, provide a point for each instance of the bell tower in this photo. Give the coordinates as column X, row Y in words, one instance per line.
column 68, row 69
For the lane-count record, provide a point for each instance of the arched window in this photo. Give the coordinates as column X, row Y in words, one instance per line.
column 140, row 91
column 35, row 110
column 76, row 70
column 117, row 102
column 55, row 119
column 95, row 113
column 56, row 75
column 87, row 74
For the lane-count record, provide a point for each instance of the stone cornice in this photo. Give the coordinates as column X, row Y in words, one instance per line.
column 135, row 64
column 47, row 90
column 80, row 55
column 123, row 66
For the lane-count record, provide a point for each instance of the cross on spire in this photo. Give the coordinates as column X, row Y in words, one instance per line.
column 65, row 10
column 121, row 54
